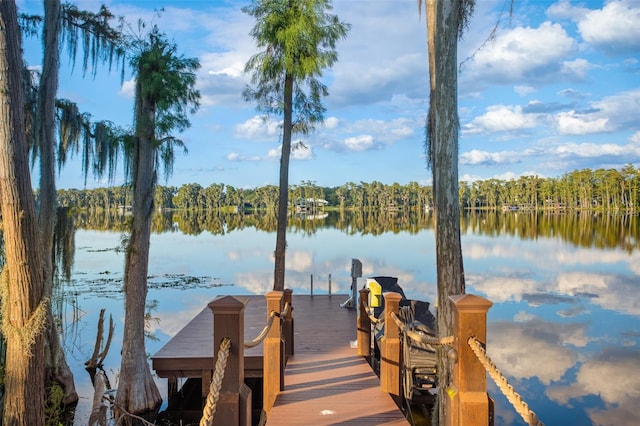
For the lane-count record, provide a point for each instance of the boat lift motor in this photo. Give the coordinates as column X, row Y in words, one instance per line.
column 356, row 272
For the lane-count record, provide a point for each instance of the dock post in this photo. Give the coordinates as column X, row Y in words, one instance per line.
column 234, row 405
column 272, row 356
column 364, row 326
column 287, row 324
column 390, row 347
column 470, row 402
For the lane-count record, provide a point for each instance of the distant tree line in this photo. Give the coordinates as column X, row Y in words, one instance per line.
column 601, row 189
column 582, row 229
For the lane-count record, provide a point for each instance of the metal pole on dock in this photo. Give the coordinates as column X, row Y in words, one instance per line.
column 312, row 285
column 356, row 271
column 329, row 285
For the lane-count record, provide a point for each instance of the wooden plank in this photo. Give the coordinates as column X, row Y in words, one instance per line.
column 190, row 351
column 326, row 382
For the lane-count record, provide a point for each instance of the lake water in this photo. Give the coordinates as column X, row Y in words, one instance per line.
column 564, row 327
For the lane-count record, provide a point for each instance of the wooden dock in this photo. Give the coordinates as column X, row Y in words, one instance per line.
column 325, row 381
column 189, row 354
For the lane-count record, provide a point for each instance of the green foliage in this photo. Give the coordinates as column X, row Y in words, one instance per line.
column 53, row 410
column 299, row 40
column 149, row 319
column 166, row 83
column 29, row 24
column 101, row 43
column 602, row 189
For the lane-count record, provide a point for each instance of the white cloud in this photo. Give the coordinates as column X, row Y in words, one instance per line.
column 301, row 152
column 235, row 156
column 257, row 128
column 383, row 56
column 523, row 54
column 613, row 28
column 517, row 348
column 613, row 292
column 501, row 118
column 523, row 90
column 298, row 152
column 274, row 153
column 503, row 288
column 385, row 130
column 611, row 113
column 620, row 391
column 564, row 9
column 621, row 109
column 593, row 150
column 128, row 88
column 359, row 143
column 573, row 94
column 477, row 157
column 221, row 78
column 576, row 69
column 331, row 123
column 572, row 123
column 299, row 260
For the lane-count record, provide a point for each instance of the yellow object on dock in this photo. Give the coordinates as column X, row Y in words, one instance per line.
column 375, row 293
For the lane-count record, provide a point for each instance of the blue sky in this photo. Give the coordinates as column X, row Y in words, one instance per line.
column 558, row 89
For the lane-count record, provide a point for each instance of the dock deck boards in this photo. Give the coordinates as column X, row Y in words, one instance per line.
column 326, row 382
column 190, row 352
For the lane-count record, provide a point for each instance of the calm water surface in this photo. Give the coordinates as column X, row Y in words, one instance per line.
column 564, row 327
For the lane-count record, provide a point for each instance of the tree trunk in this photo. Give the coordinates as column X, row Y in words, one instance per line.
column 137, row 391
column 283, row 198
column 24, row 312
column 442, row 31
column 56, row 366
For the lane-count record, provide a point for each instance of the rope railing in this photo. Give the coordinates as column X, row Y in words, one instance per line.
column 209, row 409
column 265, row 331
column 367, row 309
column 419, row 338
column 513, row 397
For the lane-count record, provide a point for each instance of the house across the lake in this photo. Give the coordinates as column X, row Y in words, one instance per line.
column 309, row 204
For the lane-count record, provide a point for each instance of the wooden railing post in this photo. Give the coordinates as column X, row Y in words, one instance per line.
column 234, row 405
column 390, row 347
column 364, row 326
column 287, row 324
column 272, row 356
column 469, row 404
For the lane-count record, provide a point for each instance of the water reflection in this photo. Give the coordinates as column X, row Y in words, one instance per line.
column 564, row 328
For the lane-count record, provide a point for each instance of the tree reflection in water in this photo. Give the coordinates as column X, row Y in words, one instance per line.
column 563, row 328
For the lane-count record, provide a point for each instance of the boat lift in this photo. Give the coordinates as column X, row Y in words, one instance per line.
column 356, row 272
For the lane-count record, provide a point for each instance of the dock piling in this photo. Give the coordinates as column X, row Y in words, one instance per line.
column 364, row 326
column 234, row 405
column 470, row 405
column 272, row 357
column 287, row 323
column 390, row 347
